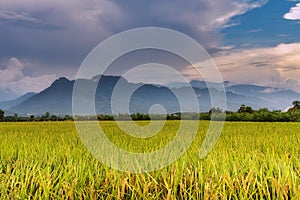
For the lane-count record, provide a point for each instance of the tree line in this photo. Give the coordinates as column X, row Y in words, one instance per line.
column 247, row 113
column 46, row 117
column 244, row 113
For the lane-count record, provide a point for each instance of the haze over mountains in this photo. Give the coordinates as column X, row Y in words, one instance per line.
column 9, row 104
column 57, row 99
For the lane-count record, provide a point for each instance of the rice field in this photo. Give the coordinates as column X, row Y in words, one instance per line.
column 250, row 161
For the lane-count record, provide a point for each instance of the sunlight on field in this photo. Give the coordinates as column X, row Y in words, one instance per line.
column 250, row 160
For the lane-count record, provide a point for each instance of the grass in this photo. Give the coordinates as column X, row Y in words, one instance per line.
column 250, row 161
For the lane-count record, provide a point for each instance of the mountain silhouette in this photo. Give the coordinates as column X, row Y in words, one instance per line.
column 8, row 104
column 57, row 98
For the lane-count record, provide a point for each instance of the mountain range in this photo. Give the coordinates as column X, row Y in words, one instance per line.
column 9, row 104
column 57, row 98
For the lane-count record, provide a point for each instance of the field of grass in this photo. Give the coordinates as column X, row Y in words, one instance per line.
column 250, row 161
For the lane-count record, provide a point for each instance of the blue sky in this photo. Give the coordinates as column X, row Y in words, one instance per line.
column 255, row 42
column 264, row 26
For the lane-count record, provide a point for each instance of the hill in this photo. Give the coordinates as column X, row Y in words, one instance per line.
column 57, row 99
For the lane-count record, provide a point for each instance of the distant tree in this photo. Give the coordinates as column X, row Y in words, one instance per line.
column 54, row 118
column 245, row 109
column 296, row 105
column 68, row 118
column 174, row 116
column 263, row 110
column 1, row 115
column 16, row 117
column 215, row 110
column 47, row 115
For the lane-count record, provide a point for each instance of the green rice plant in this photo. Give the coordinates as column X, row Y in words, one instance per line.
column 250, row 161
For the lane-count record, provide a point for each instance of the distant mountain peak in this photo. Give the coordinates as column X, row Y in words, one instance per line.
column 97, row 77
column 62, row 79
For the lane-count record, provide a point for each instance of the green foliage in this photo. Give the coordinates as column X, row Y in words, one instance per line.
column 215, row 110
column 47, row 115
column 296, row 104
column 244, row 113
column 245, row 109
column 1, row 115
column 250, row 161
column 295, row 108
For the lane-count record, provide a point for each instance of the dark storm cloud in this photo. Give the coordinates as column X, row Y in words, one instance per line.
column 61, row 33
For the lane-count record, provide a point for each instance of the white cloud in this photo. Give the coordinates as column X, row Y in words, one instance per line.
column 294, row 13
column 12, row 72
column 275, row 66
column 14, row 82
column 229, row 9
column 11, row 15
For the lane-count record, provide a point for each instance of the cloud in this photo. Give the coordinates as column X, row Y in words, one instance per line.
column 55, row 33
column 274, row 66
column 77, row 15
column 13, row 82
column 200, row 19
column 59, row 34
column 12, row 72
column 65, row 31
column 294, row 13
column 11, row 15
